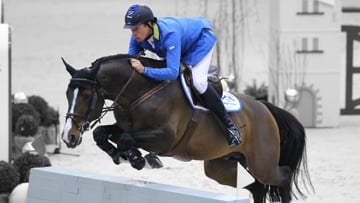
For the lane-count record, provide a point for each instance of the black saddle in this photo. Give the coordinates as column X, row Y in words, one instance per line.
column 213, row 79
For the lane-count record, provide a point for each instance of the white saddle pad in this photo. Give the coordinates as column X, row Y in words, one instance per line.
column 230, row 101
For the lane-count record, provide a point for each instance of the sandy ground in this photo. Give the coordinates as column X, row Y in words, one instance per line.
column 81, row 31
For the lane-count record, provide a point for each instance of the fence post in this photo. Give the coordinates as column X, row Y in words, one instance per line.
column 5, row 89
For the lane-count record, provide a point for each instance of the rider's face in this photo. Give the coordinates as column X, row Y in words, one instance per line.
column 141, row 32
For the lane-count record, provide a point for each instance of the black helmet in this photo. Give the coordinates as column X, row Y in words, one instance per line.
column 137, row 15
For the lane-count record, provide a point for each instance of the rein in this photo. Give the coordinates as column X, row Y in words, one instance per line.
column 148, row 94
column 114, row 105
column 135, row 103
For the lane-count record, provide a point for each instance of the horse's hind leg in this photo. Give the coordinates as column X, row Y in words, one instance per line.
column 258, row 191
column 277, row 180
column 222, row 170
column 153, row 160
column 263, row 164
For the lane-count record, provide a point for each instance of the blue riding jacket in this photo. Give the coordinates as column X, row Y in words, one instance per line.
column 178, row 40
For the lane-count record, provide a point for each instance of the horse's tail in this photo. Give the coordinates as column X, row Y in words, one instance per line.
column 292, row 150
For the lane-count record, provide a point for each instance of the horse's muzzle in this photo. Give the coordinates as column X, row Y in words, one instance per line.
column 72, row 140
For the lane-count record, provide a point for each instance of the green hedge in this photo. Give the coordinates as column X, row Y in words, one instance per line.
column 26, row 117
column 9, row 177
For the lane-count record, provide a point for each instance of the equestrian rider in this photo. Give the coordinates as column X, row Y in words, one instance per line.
column 189, row 41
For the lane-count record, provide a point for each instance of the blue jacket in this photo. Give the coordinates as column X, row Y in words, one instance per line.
column 178, row 40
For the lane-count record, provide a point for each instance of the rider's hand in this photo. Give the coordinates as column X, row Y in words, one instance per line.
column 136, row 64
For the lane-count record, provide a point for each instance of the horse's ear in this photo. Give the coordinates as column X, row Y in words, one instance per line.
column 69, row 68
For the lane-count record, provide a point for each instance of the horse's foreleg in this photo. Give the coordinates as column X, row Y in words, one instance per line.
column 161, row 140
column 101, row 136
column 126, row 146
column 135, row 158
column 124, row 142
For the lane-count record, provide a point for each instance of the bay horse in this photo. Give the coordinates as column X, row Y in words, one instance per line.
column 155, row 116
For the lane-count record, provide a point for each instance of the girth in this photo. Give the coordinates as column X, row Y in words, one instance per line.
column 179, row 150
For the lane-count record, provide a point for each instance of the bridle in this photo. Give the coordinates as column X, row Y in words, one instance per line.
column 86, row 125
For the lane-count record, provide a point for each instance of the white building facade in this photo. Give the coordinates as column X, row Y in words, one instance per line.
column 305, row 54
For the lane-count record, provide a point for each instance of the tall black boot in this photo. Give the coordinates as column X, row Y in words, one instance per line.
column 213, row 102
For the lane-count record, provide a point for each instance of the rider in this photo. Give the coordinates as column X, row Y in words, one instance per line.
column 189, row 41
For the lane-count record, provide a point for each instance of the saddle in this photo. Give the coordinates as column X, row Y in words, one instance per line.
column 213, row 79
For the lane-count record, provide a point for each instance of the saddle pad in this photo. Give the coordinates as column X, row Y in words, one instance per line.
column 230, row 101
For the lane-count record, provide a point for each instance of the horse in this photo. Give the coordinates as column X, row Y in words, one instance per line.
column 155, row 116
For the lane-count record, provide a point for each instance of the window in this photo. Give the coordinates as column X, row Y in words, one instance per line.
column 305, row 6
column 310, row 7
column 309, row 45
column 315, row 44
column 316, row 6
column 304, row 44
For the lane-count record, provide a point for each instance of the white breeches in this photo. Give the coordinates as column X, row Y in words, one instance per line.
column 200, row 73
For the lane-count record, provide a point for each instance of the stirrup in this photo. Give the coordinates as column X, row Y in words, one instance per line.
column 234, row 137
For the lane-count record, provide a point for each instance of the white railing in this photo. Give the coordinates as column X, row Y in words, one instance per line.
column 63, row 185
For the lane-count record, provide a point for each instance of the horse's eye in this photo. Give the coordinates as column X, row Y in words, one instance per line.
column 86, row 94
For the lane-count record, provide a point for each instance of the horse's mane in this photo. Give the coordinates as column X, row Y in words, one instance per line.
column 144, row 60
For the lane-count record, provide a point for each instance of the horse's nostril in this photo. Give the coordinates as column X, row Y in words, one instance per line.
column 72, row 138
column 71, row 143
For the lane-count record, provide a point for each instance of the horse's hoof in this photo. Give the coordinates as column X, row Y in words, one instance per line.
column 135, row 159
column 116, row 158
column 138, row 163
column 153, row 160
column 117, row 162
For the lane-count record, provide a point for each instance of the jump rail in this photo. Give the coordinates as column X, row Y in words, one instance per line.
column 63, row 185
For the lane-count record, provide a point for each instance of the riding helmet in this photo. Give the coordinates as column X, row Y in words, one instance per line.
column 137, row 15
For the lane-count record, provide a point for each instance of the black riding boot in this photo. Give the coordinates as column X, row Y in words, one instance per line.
column 213, row 102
